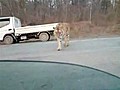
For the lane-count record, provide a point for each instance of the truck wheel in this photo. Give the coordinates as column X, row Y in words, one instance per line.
column 44, row 36
column 8, row 39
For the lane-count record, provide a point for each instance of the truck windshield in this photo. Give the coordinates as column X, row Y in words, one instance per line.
column 4, row 22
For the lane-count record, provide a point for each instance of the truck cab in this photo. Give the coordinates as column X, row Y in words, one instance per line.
column 7, row 28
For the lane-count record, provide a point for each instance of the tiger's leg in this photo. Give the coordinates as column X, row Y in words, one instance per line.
column 66, row 40
column 59, row 41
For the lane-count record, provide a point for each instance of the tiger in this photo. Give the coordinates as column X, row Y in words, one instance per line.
column 62, row 32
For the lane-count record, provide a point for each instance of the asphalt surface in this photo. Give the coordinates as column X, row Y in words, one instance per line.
column 99, row 53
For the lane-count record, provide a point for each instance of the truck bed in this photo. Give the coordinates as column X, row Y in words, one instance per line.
column 35, row 28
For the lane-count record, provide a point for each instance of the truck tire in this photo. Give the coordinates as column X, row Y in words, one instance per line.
column 44, row 36
column 8, row 39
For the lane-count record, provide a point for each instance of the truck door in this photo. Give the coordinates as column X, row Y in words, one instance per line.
column 6, row 27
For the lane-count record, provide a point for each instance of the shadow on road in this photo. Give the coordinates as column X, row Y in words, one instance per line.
column 28, row 41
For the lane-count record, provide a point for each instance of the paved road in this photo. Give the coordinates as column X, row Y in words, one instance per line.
column 102, row 53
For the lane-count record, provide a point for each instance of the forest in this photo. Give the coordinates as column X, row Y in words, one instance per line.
column 102, row 13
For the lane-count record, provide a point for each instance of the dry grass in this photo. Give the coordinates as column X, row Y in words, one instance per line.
column 84, row 29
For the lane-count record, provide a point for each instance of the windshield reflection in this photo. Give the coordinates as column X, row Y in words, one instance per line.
column 40, row 75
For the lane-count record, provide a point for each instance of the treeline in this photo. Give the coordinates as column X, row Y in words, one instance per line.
column 100, row 12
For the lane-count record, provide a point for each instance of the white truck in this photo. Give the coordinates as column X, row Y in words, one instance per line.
column 11, row 31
